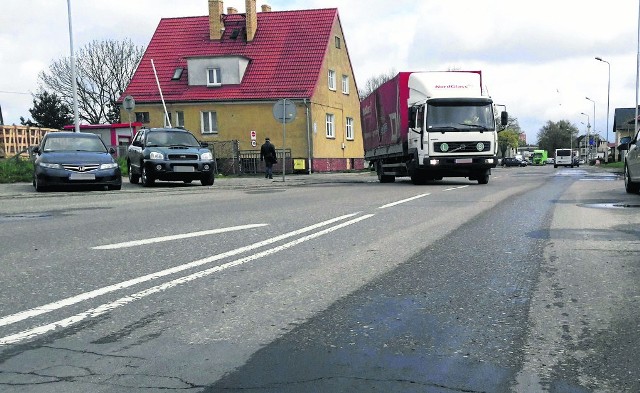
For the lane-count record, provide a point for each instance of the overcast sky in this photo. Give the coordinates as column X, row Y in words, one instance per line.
column 537, row 57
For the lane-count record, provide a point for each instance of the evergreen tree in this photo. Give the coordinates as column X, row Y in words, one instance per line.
column 49, row 111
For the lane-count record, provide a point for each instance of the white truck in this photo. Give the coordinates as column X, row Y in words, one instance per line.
column 431, row 125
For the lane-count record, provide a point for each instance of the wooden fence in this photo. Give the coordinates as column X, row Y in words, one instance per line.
column 15, row 140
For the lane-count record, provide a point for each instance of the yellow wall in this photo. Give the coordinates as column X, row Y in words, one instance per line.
column 336, row 102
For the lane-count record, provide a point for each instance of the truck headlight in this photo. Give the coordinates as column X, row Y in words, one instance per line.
column 154, row 155
column 206, row 156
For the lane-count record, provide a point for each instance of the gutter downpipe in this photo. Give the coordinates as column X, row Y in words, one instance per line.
column 306, row 106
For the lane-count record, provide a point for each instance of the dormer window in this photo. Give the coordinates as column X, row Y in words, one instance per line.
column 214, row 78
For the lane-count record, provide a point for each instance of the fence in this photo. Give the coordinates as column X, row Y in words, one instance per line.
column 15, row 140
column 230, row 160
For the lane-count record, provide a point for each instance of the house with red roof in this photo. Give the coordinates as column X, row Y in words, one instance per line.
column 221, row 75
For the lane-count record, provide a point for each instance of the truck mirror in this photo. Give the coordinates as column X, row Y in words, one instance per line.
column 412, row 117
column 504, row 118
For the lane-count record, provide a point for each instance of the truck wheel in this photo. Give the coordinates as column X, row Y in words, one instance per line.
column 418, row 179
column 483, row 178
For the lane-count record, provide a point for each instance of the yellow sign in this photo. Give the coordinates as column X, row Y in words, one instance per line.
column 299, row 163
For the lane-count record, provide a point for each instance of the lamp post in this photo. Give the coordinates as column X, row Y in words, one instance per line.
column 594, row 127
column 72, row 61
column 606, row 152
column 586, row 139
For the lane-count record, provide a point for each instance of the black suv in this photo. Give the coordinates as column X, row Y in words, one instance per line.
column 171, row 154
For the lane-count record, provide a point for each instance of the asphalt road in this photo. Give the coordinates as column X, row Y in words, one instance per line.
column 320, row 283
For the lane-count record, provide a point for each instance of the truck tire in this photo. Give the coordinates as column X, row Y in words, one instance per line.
column 381, row 176
column 419, row 179
column 483, row 177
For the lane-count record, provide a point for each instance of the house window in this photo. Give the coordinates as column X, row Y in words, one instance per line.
column 179, row 119
column 345, row 84
column 331, row 126
column 142, row 117
column 332, row 80
column 214, row 78
column 209, row 123
column 349, row 128
column 337, row 42
column 167, row 120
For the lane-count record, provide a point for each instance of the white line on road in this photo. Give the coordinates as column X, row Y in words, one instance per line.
column 402, row 201
column 454, row 188
column 104, row 308
column 141, row 242
column 22, row 315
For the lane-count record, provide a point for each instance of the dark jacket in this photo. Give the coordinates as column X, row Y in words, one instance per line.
column 268, row 153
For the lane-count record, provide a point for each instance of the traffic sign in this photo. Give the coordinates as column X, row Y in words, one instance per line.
column 284, row 111
column 129, row 103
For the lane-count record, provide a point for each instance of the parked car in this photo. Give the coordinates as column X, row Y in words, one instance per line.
column 170, row 154
column 513, row 161
column 551, row 160
column 632, row 167
column 67, row 159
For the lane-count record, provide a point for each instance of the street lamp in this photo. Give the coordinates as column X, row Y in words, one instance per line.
column 594, row 127
column 72, row 61
column 606, row 152
column 586, row 139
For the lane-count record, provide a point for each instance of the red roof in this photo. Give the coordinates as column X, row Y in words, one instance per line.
column 285, row 56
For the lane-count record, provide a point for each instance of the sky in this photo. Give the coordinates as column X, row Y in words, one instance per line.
column 537, row 57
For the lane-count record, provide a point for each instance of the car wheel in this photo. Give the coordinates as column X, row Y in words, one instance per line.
column 147, row 180
column 208, row 180
column 39, row 187
column 630, row 186
column 133, row 179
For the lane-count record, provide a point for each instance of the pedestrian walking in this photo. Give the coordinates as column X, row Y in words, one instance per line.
column 268, row 154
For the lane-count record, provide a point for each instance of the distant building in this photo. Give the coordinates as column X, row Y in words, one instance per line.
column 623, row 124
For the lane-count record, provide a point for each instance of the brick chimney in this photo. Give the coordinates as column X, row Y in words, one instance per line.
column 252, row 19
column 216, row 26
column 231, row 11
column 266, row 8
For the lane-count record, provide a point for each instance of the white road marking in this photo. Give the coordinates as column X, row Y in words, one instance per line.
column 454, row 188
column 402, row 201
column 104, row 308
column 22, row 315
column 141, row 242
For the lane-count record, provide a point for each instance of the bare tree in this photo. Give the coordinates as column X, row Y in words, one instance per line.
column 103, row 70
column 374, row 82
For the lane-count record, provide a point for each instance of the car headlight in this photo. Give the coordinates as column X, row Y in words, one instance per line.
column 154, row 155
column 109, row 166
column 206, row 156
column 50, row 165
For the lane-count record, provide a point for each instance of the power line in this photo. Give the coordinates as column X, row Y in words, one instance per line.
column 14, row 92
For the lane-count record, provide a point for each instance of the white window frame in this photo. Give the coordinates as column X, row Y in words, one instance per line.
column 179, row 119
column 345, row 84
column 332, row 80
column 214, row 77
column 330, row 125
column 211, row 120
column 349, row 128
column 164, row 119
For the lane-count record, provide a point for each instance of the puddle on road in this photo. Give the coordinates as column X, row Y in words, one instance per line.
column 611, row 205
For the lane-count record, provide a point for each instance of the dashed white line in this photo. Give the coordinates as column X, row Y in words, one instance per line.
column 402, row 201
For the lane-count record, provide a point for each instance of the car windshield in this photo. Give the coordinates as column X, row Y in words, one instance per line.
column 74, row 143
column 454, row 116
column 170, row 138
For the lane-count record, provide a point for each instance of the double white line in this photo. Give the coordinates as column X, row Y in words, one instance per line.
column 104, row 308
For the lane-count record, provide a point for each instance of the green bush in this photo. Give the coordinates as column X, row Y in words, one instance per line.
column 14, row 170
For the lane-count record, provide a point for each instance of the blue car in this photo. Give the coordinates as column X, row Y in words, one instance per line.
column 74, row 159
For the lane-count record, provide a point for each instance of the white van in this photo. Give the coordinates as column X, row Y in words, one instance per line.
column 564, row 157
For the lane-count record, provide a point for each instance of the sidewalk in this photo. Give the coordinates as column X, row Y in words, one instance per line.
column 12, row 190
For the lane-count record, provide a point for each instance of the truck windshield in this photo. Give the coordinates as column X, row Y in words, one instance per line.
column 458, row 116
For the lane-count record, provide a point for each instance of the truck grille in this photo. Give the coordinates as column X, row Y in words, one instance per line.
column 462, row 147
